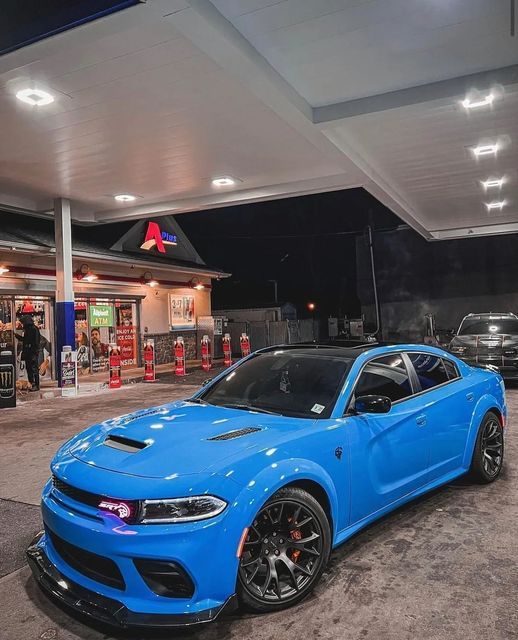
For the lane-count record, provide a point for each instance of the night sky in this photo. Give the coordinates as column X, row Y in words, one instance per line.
column 307, row 244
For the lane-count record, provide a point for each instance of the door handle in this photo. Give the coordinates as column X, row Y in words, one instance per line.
column 421, row 420
column 470, row 397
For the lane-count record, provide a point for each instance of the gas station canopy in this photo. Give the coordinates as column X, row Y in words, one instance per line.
column 186, row 105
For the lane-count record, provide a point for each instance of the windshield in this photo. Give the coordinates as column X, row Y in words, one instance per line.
column 478, row 326
column 290, row 382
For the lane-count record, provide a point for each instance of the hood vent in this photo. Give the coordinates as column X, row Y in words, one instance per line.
column 124, row 444
column 138, row 416
column 237, row 433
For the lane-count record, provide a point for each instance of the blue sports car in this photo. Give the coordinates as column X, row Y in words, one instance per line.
column 168, row 516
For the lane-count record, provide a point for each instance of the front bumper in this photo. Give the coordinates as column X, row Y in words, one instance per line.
column 205, row 550
column 102, row 608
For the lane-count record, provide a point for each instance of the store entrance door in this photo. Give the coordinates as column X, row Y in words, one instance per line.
column 40, row 308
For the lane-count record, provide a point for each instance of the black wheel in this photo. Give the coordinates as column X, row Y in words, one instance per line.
column 488, row 455
column 285, row 552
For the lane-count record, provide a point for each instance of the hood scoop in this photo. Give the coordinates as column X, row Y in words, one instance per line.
column 237, row 433
column 124, row 444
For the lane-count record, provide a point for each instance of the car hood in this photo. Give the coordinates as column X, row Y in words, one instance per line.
column 178, row 439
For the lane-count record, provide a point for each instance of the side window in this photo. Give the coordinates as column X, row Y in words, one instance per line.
column 429, row 369
column 386, row 376
column 451, row 369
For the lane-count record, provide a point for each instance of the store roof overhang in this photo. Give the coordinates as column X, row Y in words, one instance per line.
column 161, row 98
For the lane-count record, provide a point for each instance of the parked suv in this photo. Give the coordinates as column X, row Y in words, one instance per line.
column 489, row 338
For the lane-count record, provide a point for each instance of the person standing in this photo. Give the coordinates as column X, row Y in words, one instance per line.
column 31, row 350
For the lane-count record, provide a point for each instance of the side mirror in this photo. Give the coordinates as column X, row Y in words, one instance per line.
column 372, row 404
column 206, row 382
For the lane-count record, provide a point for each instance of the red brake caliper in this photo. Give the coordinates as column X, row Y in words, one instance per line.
column 295, row 534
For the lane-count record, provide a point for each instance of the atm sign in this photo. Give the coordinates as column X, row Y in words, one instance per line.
column 101, row 315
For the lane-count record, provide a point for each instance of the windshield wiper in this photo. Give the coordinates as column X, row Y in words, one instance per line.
column 196, row 400
column 248, row 407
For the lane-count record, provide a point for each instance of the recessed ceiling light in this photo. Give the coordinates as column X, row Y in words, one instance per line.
column 125, row 197
column 224, row 181
column 496, row 204
column 35, row 97
column 4, row 270
column 486, row 101
column 493, row 183
column 485, row 150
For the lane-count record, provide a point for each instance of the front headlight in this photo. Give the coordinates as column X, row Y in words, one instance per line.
column 181, row 509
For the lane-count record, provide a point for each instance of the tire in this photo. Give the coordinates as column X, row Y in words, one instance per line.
column 488, row 455
column 285, row 552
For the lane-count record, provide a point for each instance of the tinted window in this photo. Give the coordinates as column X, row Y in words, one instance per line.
column 451, row 369
column 477, row 326
column 385, row 376
column 429, row 369
column 288, row 382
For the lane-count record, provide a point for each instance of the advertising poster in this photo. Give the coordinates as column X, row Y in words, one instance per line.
column 82, row 341
column 127, row 342
column 99, row 342
column 181, row 312
column 68, row 372
column 7, row 379
column 149, row 360
column 115, row 367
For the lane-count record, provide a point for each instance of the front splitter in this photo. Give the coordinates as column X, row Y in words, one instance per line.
column 103, row 609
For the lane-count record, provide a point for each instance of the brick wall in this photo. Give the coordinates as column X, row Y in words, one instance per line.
column 164, row 343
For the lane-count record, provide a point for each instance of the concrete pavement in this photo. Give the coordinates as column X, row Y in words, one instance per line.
column 441, row 568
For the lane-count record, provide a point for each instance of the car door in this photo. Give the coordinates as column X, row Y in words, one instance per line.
column 448, row 404
column 388, row 452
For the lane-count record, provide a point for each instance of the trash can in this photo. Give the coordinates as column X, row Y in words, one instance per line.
column 7, row 379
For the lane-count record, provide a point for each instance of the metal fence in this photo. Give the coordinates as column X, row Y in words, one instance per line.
column 266, row 334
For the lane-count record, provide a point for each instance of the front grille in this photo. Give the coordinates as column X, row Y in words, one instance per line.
column 79, row 495
column 165, row 578
column 91, row 565
column 93, row 499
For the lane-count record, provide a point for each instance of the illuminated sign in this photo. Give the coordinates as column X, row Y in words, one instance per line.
column 155, row 237
column 101, row 315
column 122, row 509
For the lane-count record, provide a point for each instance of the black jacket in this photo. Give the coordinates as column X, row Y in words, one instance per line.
column 31, row 340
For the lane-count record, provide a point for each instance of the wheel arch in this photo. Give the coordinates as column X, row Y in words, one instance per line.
column 485, row 404
column 294, row 472
column 318, row 492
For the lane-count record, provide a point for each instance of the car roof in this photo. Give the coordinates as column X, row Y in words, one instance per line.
column 335, row 350
column 491, row 315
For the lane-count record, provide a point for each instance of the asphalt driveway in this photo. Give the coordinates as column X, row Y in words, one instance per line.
column 443, row 567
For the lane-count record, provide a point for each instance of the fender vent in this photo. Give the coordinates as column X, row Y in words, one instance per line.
column 124, row 444
column 238, row 433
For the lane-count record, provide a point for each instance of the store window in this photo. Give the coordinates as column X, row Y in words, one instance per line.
column 100, row 322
